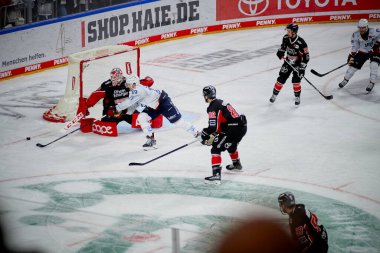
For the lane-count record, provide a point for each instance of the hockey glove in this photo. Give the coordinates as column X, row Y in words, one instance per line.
column 350, row 59
column 111, row 111
column 280, row 53
column 210, row 140
column 301, row 69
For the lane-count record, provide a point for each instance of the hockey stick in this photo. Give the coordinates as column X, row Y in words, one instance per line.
column 328, row 97
column 44, row 145
column 158, row 157
column 63, row 136
column 320, row 75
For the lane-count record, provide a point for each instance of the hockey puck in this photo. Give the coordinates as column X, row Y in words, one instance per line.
column 28, row 138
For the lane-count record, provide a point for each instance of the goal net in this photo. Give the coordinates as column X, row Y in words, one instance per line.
column 86, row 71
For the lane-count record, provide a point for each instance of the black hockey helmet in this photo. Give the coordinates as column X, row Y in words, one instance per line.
column 286, row 200
column 209, row 92
column 293, row 27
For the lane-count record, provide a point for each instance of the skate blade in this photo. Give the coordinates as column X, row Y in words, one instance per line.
column 235, row 170
column 149, row 148
column 214, row 182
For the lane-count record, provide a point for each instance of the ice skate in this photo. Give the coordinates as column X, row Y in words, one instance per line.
column 150, row 143
column 215, row 178
column 370, row 87
column 273, row 98
column 297, row 101
column 343, row 83
column 235, row 166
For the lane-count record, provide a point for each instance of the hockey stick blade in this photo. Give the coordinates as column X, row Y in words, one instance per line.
column 316, row 73
column 328, row 97
column 158, row 157
column 137, row 164
column 40, row 145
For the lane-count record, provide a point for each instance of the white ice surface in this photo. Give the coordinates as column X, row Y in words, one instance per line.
column 326, row 148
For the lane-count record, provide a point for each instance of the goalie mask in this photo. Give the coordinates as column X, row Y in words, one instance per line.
column 116, row 76
column 209, row 92
column 286, row 200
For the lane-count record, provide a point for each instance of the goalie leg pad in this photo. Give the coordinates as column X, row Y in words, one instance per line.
column 86, row 125
column 104, row 128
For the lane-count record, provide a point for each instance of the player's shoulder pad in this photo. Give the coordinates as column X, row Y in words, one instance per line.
column 299, row 209
column 285, row 36
column 107, row 83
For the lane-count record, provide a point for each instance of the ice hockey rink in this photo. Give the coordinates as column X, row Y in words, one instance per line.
column 79, row 194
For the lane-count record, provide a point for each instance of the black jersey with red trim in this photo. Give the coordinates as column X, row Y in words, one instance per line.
column 296, row 49
column 221, row 117
column 304, row 226
column 114, row 94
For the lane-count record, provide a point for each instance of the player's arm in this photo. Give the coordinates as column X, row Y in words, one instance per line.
column 304, row 57
column 281, row 51
column 354, row 48
column 85, row 103
column 209, row 133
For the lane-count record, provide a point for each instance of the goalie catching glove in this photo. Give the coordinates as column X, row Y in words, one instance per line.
column 208, row 139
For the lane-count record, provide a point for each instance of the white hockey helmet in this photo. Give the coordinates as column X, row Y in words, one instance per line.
column 116, row 76
column 132, row 80
column 363, row 23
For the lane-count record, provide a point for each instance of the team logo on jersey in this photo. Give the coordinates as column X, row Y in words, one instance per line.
column 211, row 115
column 253, row 7
column 284, row 69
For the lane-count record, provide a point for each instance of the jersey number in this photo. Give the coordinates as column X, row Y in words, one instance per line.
column 234, row 114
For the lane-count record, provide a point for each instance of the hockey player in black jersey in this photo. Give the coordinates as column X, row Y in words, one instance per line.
column 309, row 236
column 297, row 54
column 226, row 128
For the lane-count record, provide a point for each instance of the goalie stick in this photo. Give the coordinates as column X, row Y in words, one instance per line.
column 76, row 120
column 328, row 97
column 320, row 75
column 158, row 157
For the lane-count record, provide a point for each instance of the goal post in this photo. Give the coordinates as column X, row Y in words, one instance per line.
column 86, row 71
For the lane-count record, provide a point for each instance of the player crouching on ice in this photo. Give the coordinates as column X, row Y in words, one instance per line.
column 308, row 235
column 151, row 103
column 365, row 44
column 226, row 128
column 297, row 54
column 112, row 91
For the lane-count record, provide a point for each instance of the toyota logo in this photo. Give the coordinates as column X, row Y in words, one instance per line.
column 251, row 7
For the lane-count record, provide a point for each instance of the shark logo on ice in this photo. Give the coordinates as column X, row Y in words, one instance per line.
column 252, row 7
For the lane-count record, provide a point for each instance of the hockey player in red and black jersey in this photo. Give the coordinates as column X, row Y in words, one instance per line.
column 297, row 54
column 309, row 236
column 226, row 128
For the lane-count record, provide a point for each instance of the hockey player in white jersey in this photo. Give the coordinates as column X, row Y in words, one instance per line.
column 365, row 45
column 151, row 103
